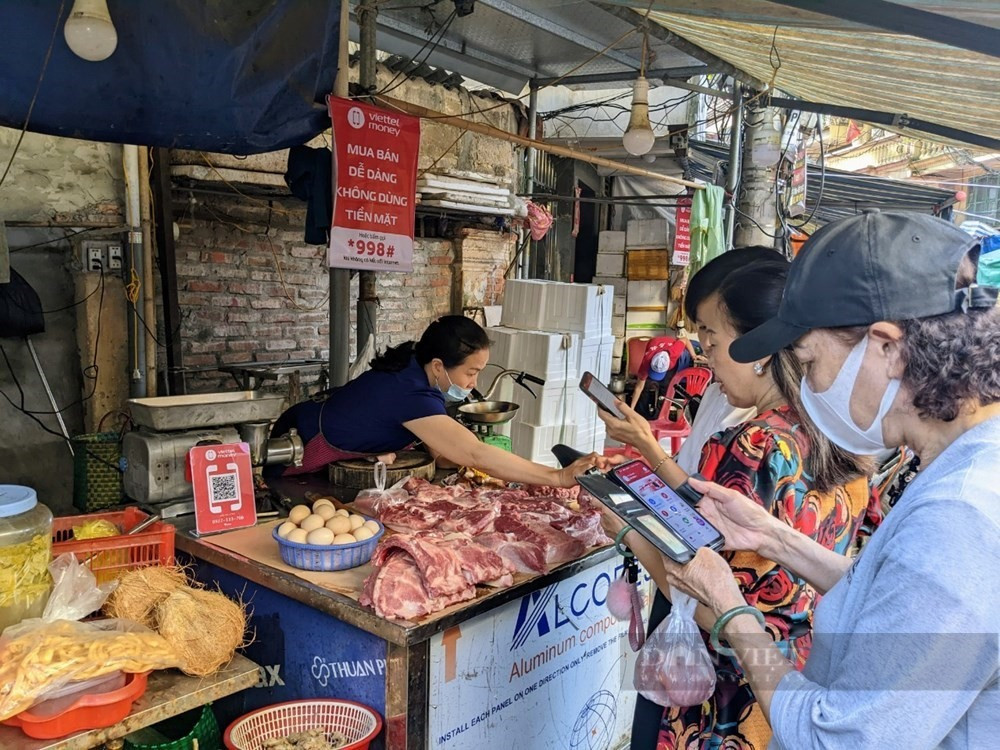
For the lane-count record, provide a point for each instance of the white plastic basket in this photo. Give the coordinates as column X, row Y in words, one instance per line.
column 358, row 723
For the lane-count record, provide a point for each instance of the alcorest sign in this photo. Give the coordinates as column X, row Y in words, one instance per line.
column 375, row 166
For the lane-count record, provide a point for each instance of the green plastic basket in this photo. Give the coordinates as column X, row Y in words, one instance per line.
column 97, row 485
column 199, row 724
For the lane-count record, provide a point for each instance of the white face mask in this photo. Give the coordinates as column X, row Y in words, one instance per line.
column 831, row 409
column 454, row 394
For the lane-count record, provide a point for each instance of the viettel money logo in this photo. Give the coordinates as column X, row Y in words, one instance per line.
column 356, row 118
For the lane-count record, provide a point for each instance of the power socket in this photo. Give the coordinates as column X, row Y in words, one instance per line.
column 95, row 258
column 115, row 258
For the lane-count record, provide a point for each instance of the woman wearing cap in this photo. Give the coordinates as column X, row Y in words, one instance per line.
column 900, row 347
column 783, row 462
column 664, row 356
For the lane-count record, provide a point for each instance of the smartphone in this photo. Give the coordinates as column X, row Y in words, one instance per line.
column 600, row 394
column 668, row 508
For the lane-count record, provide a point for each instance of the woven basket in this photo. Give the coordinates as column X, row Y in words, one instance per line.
column 96, row 485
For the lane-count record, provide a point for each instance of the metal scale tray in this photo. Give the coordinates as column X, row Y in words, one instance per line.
column 173, row 413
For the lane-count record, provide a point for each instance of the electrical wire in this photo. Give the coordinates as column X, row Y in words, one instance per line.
column 67, row 236
column 32, row 415
column 34, row 96
column 389, row 87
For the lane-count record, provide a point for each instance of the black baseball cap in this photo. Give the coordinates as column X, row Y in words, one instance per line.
column 866, row 268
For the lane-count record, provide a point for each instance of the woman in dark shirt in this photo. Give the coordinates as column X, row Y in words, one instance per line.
column 402, row 400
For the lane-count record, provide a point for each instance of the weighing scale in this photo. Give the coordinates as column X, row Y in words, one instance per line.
column 482, row 417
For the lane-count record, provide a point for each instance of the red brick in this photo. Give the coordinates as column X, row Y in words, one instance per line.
column 204, row 286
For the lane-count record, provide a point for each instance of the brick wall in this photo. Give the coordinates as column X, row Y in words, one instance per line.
column 234, row 307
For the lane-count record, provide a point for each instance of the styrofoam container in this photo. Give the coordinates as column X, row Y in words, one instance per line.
column 557, row 401
column 617, row 325
column 619, row 307
column 610, row 265
column 595, row 357
column 639, row 319
column 652, row 331
column 579, row 308
column 611, row 242
column 648, row 294
column 524, row 304
column 647, row 233
column 619, row 283
column 503, row 342
column 535, row 442
column 549, row 356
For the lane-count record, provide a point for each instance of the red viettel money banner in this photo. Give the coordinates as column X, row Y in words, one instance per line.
column 223, row 487
column 682, row 237
column 375, row 181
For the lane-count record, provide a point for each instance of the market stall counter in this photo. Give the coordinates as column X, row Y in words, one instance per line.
column 537, row 656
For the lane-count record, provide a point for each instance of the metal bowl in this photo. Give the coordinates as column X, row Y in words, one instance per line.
column 488, row 412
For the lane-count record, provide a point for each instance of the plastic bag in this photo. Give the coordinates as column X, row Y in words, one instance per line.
column 51, row 656
column 674, row 668
column 38, row 659
column 374, row 502
column 75, row 593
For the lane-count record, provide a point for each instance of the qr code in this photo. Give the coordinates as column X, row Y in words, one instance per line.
column 224, row 487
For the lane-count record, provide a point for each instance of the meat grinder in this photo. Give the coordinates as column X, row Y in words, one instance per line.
column 155, row 453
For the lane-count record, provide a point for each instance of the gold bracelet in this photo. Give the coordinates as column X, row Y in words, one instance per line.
column 660, row 463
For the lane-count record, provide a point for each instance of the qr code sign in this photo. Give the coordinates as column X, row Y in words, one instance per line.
column 224, row 487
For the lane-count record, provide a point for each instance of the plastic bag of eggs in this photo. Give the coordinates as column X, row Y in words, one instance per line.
column 323, row 525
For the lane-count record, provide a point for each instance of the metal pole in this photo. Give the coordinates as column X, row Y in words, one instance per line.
column 340, row 278
column 48, row 392
column 136, row 259
column 735, row 152
column 525, row 270
column 367, row 309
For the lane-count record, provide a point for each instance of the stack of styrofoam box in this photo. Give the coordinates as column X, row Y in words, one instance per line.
column 611, row 272
column 646, row 313
column 556, row 332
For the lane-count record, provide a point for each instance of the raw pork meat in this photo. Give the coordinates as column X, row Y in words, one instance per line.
column 557, row 546
column 586, row 527
column 525, row 557
column 440, row 567
column 396, row 591
column 417, row 575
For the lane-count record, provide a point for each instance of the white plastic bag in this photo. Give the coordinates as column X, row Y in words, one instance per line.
column 75, row 593
column 376, row 501
column 674, row 668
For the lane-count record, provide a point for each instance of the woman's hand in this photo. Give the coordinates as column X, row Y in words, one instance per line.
column 611, row 521
column 633, row 430
column 744, row 523
column 708, row 578
column 567, row 476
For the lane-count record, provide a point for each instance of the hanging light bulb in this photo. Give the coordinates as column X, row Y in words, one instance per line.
column 89, row 31
column 639, row 137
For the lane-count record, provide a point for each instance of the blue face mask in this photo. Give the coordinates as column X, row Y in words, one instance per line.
column 454, row 394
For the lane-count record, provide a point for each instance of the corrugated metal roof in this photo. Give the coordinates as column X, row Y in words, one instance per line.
column 844, row 193
column 836, row 63
column 505, row 43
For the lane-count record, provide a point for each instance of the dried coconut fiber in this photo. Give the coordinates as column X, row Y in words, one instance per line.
column 140, row 592
column 204, row 627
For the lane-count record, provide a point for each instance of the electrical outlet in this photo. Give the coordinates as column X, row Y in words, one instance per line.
column 95, row 258
column 115, row 258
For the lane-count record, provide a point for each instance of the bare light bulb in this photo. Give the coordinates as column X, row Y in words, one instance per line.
column 89, row 31
column 639, row 137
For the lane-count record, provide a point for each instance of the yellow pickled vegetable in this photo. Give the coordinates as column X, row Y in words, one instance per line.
column 24, row 571
column 106, row 565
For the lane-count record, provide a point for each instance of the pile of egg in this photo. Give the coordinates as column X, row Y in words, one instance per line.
column 324, row 526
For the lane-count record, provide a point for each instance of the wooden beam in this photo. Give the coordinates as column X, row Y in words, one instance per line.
column 163, row 219
column 551, row 148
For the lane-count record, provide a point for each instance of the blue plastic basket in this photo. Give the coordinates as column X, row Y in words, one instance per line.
column 327, row 557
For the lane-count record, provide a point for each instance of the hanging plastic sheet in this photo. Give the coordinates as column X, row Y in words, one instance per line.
column 230, row 76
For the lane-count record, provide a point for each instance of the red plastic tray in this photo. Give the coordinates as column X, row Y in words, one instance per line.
column 94, row 711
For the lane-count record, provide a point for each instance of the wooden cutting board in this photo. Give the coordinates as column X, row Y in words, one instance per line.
column 358, row 473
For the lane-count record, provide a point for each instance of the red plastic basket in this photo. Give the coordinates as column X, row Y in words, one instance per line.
column 359, row 723
column 111, row 556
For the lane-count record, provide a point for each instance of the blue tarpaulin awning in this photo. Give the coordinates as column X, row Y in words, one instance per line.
column 228, row 76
